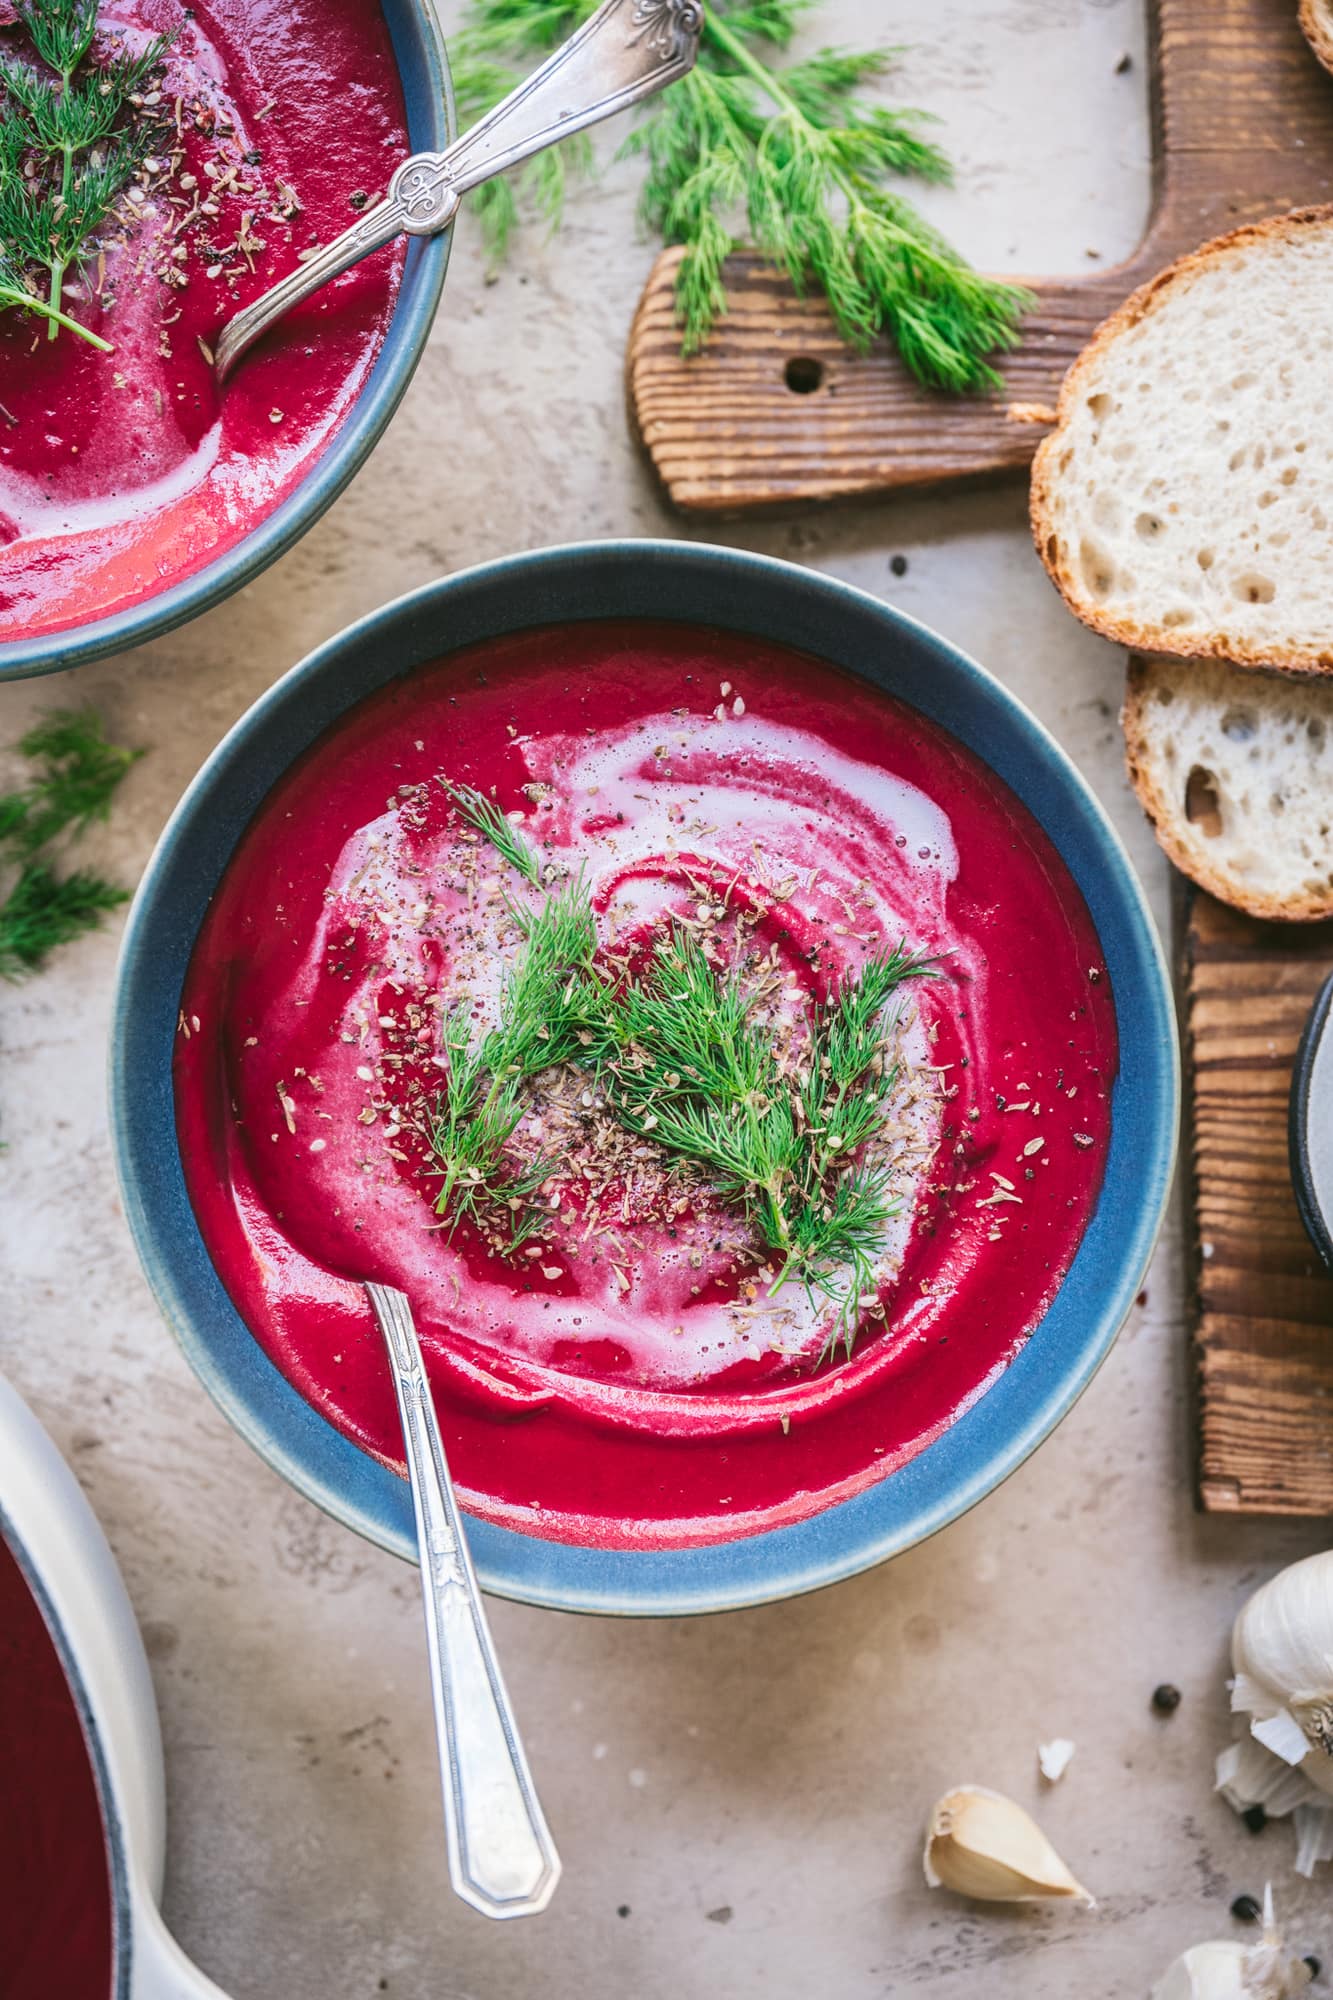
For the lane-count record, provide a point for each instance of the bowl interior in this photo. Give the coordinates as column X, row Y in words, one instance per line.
column 797, row 608
column 185, row 590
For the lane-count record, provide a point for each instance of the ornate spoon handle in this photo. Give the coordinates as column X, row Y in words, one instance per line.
column 626, row 51
column 502, row 1859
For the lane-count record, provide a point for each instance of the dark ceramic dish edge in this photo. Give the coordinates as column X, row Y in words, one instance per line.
column 711, row 586
column 418, row 40
column 1318, row 1226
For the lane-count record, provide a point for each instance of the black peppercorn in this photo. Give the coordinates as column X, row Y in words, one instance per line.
column 1255, row 1818
column 898, row 564
column 1313, row 1964
column 1245, row 1910
column 1165, row 1698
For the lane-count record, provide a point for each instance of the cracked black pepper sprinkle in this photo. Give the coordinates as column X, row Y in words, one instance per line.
column 1165, row 1698
column 1255, row 1818
column 1245, row 1910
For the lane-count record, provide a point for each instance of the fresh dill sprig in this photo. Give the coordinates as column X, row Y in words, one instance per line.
column 473, row 1124
column 75, row 775
column 72, row 137
column 480, row 82
column 483, row 814
column 681, row 1061
column 44, row 910
column 545, row 1004
column 788, row 155
column 551, row 994
column 75, row 772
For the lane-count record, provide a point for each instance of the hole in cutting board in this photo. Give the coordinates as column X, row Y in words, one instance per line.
column 803, row 374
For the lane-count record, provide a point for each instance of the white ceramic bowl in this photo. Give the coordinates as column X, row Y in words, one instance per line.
column 54, row 1534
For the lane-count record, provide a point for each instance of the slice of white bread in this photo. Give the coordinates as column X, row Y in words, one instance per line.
column 1235, row 770
column 1317, row 21
column 1184, row 502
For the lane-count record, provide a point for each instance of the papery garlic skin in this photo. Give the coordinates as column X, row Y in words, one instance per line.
column 1282, row 1652
column 1225, row 1969
column 1054, row 1758
column 981, row 1844
column 1219, row 1971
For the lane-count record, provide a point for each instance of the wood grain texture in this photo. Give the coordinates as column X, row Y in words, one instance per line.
column 1264, row 1325
column 1242, row 128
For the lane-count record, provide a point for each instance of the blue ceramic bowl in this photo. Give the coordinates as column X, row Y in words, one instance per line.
column 423, row 68
column 710, row 586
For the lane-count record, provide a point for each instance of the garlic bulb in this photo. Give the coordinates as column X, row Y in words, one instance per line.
column 981, row 1844
column 1225, row 1969
column 1282, row 1651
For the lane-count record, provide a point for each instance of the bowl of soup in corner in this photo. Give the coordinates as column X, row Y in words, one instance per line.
column 82, row 1791
column 819, row 1006
column 134, row 493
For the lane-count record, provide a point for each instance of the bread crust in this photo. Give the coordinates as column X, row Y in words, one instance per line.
column 1317, row 26
column 1163, row 816
column 1131, row 632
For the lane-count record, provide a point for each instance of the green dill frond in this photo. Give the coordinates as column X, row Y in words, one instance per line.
column 483, row 814
column 62, row 31
column 95, row 187
column 76, row 772
column 489, row 57
column 835, row 1244
column 550, row 994
column 89, row 107
column 517, row 29
column 680, row 1060
column 72, row 136
column 774, row 21
column 471, row 1129
column 790, row 155
column 43, row 910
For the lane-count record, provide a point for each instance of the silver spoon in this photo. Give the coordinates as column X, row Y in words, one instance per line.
column 626, row 51
column 502, row 1859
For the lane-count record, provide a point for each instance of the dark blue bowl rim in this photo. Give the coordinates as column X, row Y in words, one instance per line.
column 428, row 91
column 992, row 1438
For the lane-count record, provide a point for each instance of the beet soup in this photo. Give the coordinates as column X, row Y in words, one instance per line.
column 123, row 472
column 55, row 1907
column 636, row 1376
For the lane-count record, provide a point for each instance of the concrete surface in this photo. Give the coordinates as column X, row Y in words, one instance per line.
column 739, row 1800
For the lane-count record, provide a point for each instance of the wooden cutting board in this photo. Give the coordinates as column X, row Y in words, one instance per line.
column 777, row 413
column 1263, row 1335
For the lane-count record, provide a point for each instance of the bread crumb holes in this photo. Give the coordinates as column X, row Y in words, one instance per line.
column 1203, row 807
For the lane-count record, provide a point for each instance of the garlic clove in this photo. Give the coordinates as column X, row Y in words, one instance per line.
column 1225, row 1969
column 981, row 1844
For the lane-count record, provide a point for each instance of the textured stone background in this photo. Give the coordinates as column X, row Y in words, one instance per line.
column 738, row 1799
